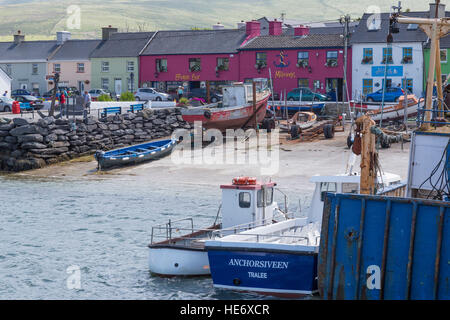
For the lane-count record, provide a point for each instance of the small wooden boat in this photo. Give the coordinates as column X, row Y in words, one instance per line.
column 234, row 112
column 303, row 120
column 397, row 112
column 134, row 154
column 293, row 106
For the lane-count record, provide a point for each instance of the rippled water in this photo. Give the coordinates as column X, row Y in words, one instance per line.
column 102, row 226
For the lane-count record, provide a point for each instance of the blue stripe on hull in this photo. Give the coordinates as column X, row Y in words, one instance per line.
column 264, row 271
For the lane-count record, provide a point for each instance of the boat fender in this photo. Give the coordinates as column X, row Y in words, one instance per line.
column 356, row 147
column 207, row 114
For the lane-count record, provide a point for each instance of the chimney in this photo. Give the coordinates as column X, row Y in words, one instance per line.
column 218, row 26
column 441, row 10
column 107, row 31
column 253, row 28
column 241, row 25
column 301, row 31
column 275, row 28
column 62, row 36
column 18, row 37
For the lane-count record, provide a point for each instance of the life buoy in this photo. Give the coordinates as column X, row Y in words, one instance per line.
column 244, row 181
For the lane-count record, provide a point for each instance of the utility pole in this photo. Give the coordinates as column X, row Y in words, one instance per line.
column 345, row 21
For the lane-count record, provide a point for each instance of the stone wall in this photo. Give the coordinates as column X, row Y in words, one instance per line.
column 26, row 145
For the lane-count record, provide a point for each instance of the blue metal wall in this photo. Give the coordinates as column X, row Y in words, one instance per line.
column 375, row 247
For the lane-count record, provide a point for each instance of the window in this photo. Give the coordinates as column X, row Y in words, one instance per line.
column 367, row 86
column 367, row 56
column 161, row 65
column 105, row 83
column 56, row 67
column 444, row 78
column 350, row 188
column 34, row 68
column 408, row 85
column 412, row 26
column 407, row 55
column 261, row 60
column 130, row 66
column 443, row 55
column 303, row 83
column 8, row 69
column 244, row 199
column 328, row 187
column 80, row 67
column 303, row 59
column 268, row 197
column 195, row 64
column 387, row 56
column 374, row 24
column 332, row 59
column 105, row 66
column 222, row 64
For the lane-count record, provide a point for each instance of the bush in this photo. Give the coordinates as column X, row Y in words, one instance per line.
column 127, row 96
column 104, row 97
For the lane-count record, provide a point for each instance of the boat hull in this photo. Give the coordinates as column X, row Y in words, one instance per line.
column 394, row 114
column 292, row 274
column 316, row 108
column 172, row 262
column 226, row 118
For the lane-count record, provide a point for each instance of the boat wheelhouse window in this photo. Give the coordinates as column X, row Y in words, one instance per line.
column 244, row 199
column 268, row 197
column 328, row 187
column 349, row 188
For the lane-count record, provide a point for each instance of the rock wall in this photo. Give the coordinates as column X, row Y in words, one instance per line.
column 28, row 145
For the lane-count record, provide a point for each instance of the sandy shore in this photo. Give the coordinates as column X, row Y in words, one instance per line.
column 298, row 161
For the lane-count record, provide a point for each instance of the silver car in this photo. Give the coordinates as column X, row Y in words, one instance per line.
column 6, row 104
column 146, row 94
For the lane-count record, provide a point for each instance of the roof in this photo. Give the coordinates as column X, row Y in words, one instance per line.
column 196, row 42
column 288, row 41
column 27, row 50
column 75, row 50
column 126, row 44
column 363, row 35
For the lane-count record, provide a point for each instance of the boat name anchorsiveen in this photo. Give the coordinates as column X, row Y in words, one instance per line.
column 258, row 264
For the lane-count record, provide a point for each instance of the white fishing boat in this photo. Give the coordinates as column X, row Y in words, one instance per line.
column 397, row 111
column 281, row 259
column 177, row 248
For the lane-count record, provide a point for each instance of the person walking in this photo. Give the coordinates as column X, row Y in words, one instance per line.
column 5, row 94
column 180, row 92
column 62, row 103
column 87, row 103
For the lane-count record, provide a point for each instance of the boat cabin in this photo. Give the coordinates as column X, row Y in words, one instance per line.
column 246, row 201
column 238, row 94
column 344, row 183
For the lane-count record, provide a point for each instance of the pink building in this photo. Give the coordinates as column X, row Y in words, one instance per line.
column 311, row 58
column 300, row 57
column 190, row 58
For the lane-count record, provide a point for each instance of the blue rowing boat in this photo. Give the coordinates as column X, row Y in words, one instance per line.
column 134, row 154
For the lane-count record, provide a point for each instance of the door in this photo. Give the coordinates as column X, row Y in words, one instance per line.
column 118, row 86
column 334, row 86
column 81, row 86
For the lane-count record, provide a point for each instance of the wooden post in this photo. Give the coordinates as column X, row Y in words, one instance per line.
column 208, row 96
column 439, row 78
column 368, row 153
column 430, row 81
column 254, row 106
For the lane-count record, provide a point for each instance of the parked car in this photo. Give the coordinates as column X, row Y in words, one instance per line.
column 6, row 104
column 70, row 91
column 306, row 94
column 95, row 93
column 33, row 101
column 145, row 94
column 201, row 93
column 20, row 92
column 391, row 95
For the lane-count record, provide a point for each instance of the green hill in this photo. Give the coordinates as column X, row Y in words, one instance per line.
column 40, row 19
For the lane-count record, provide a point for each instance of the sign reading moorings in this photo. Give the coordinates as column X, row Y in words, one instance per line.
column 392, row 71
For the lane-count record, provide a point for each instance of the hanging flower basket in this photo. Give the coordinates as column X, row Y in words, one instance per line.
column 87, row 82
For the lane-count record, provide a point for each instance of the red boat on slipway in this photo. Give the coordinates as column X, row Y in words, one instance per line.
column 234, row 112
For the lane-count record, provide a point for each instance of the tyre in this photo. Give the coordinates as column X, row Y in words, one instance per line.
column 291, row 99
column 349, row 141
column 214, row 100
column 7, row 109
column 315, row 99
column 295, row 130
column 397, row 99
column 138, row 99
column 328, row 131
column 158, row 99
column 370, row 99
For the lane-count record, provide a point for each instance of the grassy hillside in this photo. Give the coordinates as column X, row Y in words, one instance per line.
column 40, row 19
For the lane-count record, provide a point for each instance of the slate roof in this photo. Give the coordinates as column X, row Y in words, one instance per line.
column 75, row 50
column 27, row 50
column 293, row 42
column 363, row 35
column 196, row 42
column 123, row 44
